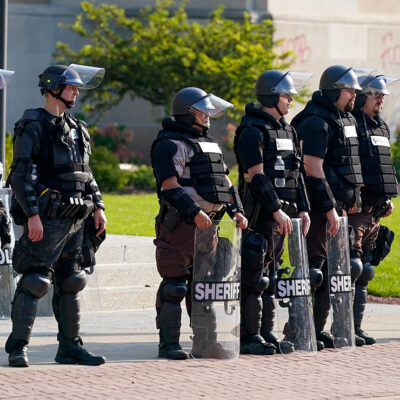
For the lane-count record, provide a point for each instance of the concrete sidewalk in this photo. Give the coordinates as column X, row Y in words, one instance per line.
column 129, row 341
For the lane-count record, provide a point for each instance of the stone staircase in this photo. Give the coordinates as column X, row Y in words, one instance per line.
column 125, row 277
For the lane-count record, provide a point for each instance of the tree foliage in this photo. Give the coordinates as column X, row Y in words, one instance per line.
column 160, row 51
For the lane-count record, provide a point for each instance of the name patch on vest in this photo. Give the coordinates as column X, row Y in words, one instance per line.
column 208, row 147
column 292, row 288
column 380, row 141
column 284, row 144
column 350, row 131
column 216, row 291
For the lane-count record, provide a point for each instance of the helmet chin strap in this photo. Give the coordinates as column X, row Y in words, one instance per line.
column 203, row 128
column 279, row 111
column 68, row 104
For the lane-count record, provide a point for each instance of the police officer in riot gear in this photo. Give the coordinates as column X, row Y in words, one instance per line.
column 261, row 138
column 332, row 165
column 380, row 183
column 193, row 190
column 54, row 191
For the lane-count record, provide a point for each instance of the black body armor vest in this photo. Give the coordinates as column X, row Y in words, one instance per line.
column 64, row 149
column 279, row 138
column 377, row 168
column 342, row 165
column 207, row 167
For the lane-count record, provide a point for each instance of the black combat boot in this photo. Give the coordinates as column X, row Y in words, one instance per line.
column 326, row 339
column 170, row 325
column 71, row 351
column 368, row 340
column 18, row 356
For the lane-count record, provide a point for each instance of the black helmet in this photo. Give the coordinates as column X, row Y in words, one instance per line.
column 188, row 100
column 57, row 76
column 271, row 84
column 337, row 77
column 372, row 85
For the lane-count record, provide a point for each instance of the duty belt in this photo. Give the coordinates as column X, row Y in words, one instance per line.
column 216, row 215
column 74, row 207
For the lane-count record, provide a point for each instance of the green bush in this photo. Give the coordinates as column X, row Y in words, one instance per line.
column 105, row 166
column 144, row 178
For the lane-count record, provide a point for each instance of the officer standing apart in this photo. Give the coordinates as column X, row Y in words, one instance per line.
column 55, row 191
column 193, row 189
column 380, row 184
column 328, row 135
column 273, row 192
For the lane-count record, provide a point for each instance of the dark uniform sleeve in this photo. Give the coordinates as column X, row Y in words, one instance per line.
column 250, row 141
column 314, row 133
column 162, row 160
column 93, row 189
column 26, row 144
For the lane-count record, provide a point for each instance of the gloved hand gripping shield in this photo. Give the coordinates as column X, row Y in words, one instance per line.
column 293, row 292
column 5, row 77
column 340, row 294
column 216, row 291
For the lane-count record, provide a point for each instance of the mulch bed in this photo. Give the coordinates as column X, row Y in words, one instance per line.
column 383, row 300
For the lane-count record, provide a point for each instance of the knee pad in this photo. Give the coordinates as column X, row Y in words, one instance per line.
column 264, row 284
column 316, row 275
column 173, row 290
column 356, row 268
column 74, row 283
column 368, row 273
column 36, row 285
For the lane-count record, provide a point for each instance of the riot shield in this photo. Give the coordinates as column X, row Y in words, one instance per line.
column 216, row 291
column 7, row 279
column 339, row 272
column 293, row 292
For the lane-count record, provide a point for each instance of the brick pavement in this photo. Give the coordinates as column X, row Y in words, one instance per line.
column 365, row 373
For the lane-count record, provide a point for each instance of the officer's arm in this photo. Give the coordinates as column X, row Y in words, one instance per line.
column 25, row 145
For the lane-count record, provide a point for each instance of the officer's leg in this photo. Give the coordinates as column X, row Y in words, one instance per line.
column 170, row 295
column 321, row 306
column 360, row 300
column 254, row 249
column 69, row 280
column 356, row 271
column 30, row 288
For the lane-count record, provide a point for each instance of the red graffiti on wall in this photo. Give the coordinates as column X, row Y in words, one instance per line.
column 299, row 45
column 391, row 51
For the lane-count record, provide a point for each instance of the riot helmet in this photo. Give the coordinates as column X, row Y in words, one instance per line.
column 373, row 85
column 190, row 101
column 273, row 83
column 5, row 76
column 337, row 77
column 57, row 77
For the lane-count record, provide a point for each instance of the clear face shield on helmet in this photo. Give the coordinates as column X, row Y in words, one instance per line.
column 5, row 76
column 292, row 82
column 349, row 79
column 83, row 76
column 374, row 86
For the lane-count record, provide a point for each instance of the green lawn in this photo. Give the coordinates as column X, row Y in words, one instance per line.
column 134, row 215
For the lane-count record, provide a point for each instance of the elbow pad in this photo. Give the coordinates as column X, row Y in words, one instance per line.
column 264, row 193
column 320, row 192
column 303, row 203
column 182, row 202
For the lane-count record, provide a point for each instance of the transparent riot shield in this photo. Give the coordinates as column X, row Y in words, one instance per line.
column 7, row 279
column 339, row 272
column 216, row 291
column 293, row 292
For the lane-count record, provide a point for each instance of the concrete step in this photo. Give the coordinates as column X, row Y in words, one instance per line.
column 124, row 274
column 118, row 298
column 118, row 249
